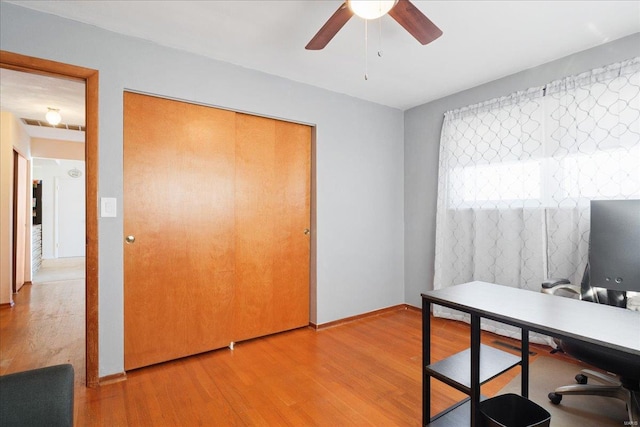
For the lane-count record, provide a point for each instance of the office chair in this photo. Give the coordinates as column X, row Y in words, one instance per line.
column 625, row 383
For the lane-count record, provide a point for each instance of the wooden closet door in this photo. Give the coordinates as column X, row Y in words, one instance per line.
column 179, row 162
column 272, row 213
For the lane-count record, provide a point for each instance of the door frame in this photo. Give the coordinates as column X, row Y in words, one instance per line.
column 19, row 218
column 90, row 77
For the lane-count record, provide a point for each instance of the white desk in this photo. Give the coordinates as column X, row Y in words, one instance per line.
column 599, row 324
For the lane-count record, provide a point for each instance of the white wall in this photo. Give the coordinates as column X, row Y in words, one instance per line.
column 57, row 148
column 422, row 142
column 49, row 172
column 359, row 160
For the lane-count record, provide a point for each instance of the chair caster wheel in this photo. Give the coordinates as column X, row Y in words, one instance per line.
column 555, row 398
column 581, row 379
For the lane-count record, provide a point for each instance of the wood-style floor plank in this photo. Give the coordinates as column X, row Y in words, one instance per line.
column 361, row 373
column 45, row 327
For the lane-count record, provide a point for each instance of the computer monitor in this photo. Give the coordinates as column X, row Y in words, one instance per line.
column 614, row 245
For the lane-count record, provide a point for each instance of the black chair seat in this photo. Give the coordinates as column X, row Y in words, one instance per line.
column 610, row 360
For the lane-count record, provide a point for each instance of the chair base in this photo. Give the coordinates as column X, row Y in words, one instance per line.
column 613, row 388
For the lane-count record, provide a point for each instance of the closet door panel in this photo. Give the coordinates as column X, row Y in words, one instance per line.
column 292, row 216
column 254, row 297
column 179, row 206
column 272, row 212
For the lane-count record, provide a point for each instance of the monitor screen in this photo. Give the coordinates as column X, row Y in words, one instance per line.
column 614, row 244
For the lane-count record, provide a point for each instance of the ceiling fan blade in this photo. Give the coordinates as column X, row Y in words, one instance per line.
column 414, row 21
column 330, row 28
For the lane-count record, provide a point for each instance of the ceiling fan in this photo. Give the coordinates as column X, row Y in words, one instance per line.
column 403, row 11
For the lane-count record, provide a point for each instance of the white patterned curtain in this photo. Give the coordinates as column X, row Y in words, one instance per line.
column 517, row 174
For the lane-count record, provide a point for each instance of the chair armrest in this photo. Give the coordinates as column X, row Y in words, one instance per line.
column 551, row 286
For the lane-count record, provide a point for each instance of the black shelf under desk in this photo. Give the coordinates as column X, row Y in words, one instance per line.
column 455, row 370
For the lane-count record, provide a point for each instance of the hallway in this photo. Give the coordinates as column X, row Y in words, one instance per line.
column 46, row 326
column 55, row 270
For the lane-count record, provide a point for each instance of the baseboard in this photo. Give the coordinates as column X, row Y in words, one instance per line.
column 362, row 316
column 110, row 379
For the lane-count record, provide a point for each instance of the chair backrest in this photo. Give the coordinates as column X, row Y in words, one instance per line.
column 601, row 295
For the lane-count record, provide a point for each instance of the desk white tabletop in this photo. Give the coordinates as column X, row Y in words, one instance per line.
column 599, row 324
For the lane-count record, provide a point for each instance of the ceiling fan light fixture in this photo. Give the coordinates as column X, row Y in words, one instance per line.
column 371, row 9
column 53, row 116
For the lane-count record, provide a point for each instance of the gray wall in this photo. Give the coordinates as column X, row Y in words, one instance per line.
column 422, row 139
column 359, row 160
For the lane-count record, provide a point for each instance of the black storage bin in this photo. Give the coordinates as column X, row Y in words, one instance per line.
column 512, row 410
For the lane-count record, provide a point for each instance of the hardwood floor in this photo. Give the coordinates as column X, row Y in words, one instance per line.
column 45, row 327
column 366, row 372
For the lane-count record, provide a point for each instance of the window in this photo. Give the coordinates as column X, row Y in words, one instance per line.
column 517, row 174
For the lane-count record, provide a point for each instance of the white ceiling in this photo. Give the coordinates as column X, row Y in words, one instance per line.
column 29, row 96
column 482, row 40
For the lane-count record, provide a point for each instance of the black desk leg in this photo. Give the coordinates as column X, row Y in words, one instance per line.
column 524, row 386
column 426, row 360
column 475, row 370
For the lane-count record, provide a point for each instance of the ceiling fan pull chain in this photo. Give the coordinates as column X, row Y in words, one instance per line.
column 380, row 38
column 366, row 45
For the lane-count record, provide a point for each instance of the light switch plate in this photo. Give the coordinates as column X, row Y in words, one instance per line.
column 108, row 207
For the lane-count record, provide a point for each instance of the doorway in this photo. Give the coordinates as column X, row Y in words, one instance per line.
column 17, row 62
column 61, row 220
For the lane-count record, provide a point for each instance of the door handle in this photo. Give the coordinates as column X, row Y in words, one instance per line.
column 307, row 231
column 130, row 239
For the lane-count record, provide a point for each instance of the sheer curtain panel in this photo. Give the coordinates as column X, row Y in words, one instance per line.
column 517, row 174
